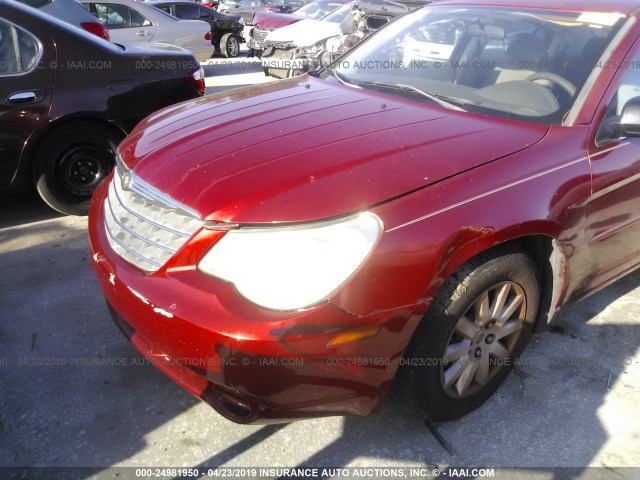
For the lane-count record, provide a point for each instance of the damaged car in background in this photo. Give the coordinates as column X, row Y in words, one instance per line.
column 266, row 22
column 310, row 44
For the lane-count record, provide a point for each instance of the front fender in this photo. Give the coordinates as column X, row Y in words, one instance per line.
column 431, row 232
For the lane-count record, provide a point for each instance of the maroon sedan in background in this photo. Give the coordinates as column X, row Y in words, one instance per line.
column 419, row 208
column 67, row 98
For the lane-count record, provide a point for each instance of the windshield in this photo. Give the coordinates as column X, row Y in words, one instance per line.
column 338, row 15
column 507, row 62
column 317, row 9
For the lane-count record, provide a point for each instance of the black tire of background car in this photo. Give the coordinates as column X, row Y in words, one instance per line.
column 229, row 45
column 71, row 163
column 419, row 382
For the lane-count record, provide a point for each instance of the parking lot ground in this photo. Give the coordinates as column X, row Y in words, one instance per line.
column 74, row 392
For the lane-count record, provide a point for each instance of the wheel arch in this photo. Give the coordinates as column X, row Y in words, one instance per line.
column 422, row 385
column 547, row 255
column 40, row 137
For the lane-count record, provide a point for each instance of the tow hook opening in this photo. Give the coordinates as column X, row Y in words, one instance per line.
column 232, row 405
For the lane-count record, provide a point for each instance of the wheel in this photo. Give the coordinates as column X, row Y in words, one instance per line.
column 471, row 336
column 229, row 45
column 70, row 164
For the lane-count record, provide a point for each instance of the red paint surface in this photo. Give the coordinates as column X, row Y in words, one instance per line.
column 447, row 185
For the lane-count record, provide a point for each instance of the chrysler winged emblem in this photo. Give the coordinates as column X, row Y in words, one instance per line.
column 125, row 180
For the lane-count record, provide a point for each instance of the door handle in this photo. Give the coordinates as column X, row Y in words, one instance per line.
column 143, row 33
column 22, row 97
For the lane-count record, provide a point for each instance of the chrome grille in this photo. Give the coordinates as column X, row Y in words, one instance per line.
column 259, row 34
column 143, row 226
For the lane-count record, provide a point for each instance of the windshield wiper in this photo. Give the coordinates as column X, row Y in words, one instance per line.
column 442, row 100
column 341, row 78
column 437, row 99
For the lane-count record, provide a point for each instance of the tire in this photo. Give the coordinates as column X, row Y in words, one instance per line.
column 71, row 163
column 461, row 351
column 230, row 45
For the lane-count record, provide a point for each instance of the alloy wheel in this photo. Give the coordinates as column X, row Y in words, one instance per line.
column 483, row 339
column 233, row 47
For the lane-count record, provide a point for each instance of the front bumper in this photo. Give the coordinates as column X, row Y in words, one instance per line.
column 257, row 37
column 282, row 63
column 250, row 364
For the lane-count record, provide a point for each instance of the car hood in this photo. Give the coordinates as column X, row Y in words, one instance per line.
column 271, row 21
column 304, row 149
column 304, row 33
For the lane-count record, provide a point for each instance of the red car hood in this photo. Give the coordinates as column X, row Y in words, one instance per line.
column 271, row 21
column 304, row 149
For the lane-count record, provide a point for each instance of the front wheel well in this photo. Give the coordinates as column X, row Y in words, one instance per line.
column 548, row 258
column 546, row 254
column 42, row 137
column 474, row 331
column 71, row 162
column 528, row 265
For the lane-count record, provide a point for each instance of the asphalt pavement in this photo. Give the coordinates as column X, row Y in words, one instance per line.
column 74, row 392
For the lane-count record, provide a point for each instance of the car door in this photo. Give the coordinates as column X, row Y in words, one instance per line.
column 125, row 24
column 26, row 88
column 613, row 212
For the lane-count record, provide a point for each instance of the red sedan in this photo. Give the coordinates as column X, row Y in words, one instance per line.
column 413, row 212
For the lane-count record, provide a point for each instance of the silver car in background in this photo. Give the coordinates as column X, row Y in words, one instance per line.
column 131, row 21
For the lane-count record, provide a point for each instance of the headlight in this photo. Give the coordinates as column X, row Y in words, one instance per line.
column 312, row 50
column 289, row 268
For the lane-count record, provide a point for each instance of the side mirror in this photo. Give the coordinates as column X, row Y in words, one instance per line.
column 630, row 118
